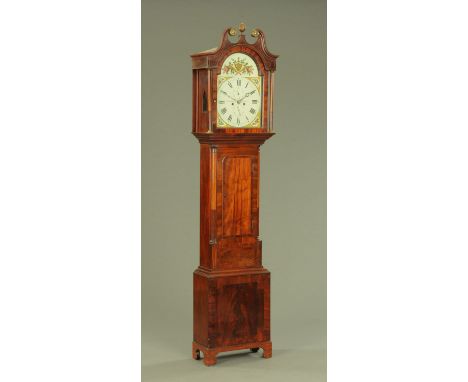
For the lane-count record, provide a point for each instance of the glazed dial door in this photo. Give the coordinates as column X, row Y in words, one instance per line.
column 239, row 99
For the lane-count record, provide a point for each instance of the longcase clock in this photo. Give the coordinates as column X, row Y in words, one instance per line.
column 232, row 118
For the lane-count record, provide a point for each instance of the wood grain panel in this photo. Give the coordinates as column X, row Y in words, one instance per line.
column 240, row 313
column 237, row 257
column 237, row 196
column 200, row 309
column 239, row 253
column 205, row 168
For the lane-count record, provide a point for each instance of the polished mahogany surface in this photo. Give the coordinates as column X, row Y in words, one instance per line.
column 231, row 286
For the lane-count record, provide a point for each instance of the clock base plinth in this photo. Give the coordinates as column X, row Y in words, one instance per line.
column 231, row 312
column 209, row 354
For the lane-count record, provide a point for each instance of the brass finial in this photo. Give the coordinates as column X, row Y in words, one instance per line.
column 241, row 27
column 254, row 33
column 232, row 32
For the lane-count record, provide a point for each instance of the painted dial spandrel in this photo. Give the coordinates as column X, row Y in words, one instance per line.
column 239, row 98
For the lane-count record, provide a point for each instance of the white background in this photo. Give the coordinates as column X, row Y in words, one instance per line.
column 70, row 191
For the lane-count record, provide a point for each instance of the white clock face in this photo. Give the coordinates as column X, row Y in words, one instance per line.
column 239, row 100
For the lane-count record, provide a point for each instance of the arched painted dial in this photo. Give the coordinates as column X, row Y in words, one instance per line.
column 239, row 102
column 239, row 95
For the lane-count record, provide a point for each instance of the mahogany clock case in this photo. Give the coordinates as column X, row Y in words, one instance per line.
column 231, row 286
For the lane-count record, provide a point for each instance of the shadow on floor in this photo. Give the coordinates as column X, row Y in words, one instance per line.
column 296, row 365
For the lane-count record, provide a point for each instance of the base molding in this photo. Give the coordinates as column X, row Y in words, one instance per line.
column 209, row 354
column 211, row 274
